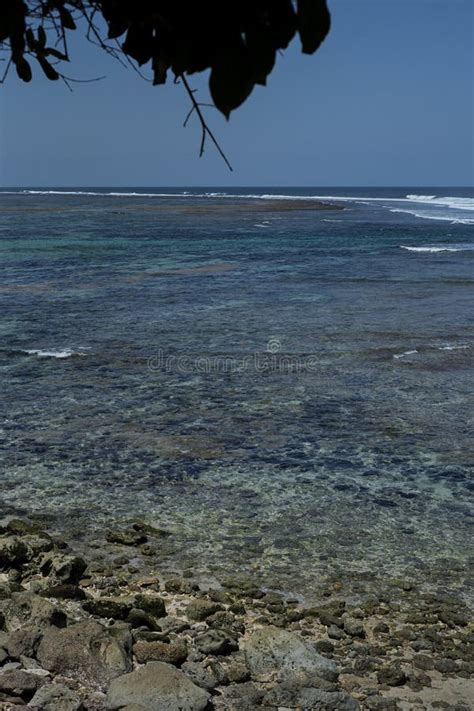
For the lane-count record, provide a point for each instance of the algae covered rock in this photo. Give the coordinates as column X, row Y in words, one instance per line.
column 174, row 653
column 13, row 553
column 64, row 568
column 152, row 604
column 199, row 610
column 157, row 686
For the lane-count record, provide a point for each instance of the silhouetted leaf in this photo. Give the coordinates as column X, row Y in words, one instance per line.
column 117, row 26
column 159, row 71
column 139, row 43
column 283, row 23
column 30, row 38
column 49, row 71
column 41, row 37
column 261, row 56
column 51, row 52
column 23, row 69
column 66, row 18
column 231, row 82
column 313, row 23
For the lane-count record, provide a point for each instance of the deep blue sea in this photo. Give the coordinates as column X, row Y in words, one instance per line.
column 287, row 389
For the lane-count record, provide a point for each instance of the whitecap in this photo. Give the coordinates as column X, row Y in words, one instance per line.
column 440, row 248
column 453, row 348
column 406, row 353
column 60, row 354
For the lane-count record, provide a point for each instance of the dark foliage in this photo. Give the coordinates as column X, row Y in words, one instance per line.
column 236, row 39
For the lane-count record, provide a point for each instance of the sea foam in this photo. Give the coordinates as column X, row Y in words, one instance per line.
column 60, row 354
column 440, row 248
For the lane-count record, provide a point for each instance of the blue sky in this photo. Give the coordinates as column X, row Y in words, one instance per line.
column 387, row 100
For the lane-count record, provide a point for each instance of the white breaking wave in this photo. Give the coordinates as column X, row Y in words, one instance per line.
column 445, row 208
column 406, row 353
column 65, row 353
column 463, row 203
column 447, row 347
column 441, row 248
column 453, row 348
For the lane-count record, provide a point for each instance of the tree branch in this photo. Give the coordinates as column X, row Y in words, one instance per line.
column 205, row 130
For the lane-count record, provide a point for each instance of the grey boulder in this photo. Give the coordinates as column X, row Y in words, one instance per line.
column 157, row 686
column 55, row 697
column 273, row 652
column 86, row 651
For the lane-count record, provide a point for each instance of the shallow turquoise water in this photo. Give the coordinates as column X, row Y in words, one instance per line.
column 289, row 391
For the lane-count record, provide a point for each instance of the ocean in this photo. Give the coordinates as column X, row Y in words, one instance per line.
column 287, row 390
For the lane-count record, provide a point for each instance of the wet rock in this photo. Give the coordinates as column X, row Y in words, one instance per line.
column 180, row 585
column 335, row 633
column 198, row 610
column 21, row 527
column 365, row 664
column 121, row 560
column 64, row 568
column 215, row 642
column 379, row 703
column 446, row 666
column 224, row 620
column 55, row 697
column 153, row 604
column 126, row 537
column 174, row 653
column 175, row 625
column 422, row 661
column 391, row 675
column 155, row 531
column 140, row 618
column 295, row 696
column 13, row 553
column 64, row 591
column 381, row 628
column 108, row 608
column 324, row 646
column 243, row 587
column 354, row 628
column 270, row 650
column 219, row 596
column 148, row 550
column 86, row 651
column 237, row 608
column 157, row 686
column 329, row 620
column 452, row 618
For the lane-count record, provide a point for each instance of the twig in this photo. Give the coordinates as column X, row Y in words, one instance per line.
column 205, row 130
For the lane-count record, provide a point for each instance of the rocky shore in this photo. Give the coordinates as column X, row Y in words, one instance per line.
column 103, row 629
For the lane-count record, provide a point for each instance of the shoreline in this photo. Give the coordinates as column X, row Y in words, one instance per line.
column 219, row 645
